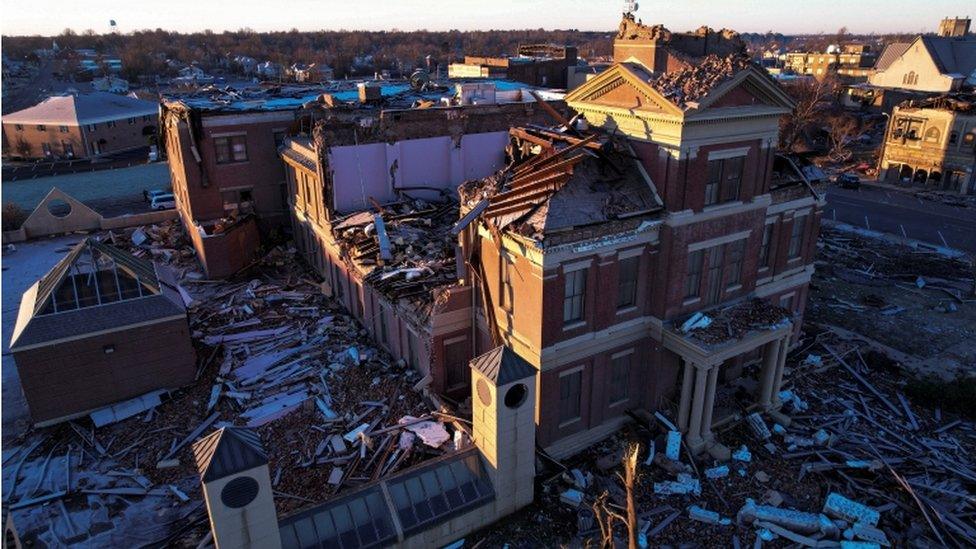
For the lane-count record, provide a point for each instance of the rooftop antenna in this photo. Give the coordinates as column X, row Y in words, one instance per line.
column 630, row 6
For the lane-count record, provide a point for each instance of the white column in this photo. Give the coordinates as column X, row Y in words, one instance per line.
column 697, row 408
column 709, row 404
column 768, row 373
column 784, row 346
column 684, row 407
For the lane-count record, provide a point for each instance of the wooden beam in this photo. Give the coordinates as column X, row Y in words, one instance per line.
column 548, row 108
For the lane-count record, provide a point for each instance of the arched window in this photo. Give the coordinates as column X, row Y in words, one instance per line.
column 910, row 79
column 932, row 135
column 953, row 138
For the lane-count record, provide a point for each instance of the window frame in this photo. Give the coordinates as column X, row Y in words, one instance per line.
column 619, row 386
column 694, row 268
column 797, row 233
column 766, row 246
column 225, row 151
column 627, row 287
column 565, row 404
column 736, row 254
column 574, row 296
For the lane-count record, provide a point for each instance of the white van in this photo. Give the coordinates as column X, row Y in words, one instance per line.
column 163, row 202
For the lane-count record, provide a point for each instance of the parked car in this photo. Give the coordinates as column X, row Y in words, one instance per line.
column 848, row 181
column 148, row 195
column 163, row 202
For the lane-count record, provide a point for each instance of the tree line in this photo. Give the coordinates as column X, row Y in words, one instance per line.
column 145, row 52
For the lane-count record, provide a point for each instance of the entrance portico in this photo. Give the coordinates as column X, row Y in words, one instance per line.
column 700, row 379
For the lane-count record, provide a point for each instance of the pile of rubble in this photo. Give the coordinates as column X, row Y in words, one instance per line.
column 733, row 322
column 690, row 84
column 405, row 250
column 861, row 461
column 274, row 354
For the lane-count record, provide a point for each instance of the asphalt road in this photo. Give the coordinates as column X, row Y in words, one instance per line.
column 902, row 214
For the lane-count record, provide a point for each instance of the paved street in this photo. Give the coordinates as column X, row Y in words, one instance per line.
column 109, row 192
column 902, row 214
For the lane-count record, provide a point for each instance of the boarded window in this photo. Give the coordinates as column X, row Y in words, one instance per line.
column 574, row 295
column 796, row 236
column 570, row 390
column 230, row 149
column 620, row 378
column 693, row 282
column 627, row 282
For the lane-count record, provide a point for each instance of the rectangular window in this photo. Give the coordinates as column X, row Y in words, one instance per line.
column 132, row 121
column 767, row 241
column 693, row 282
column 627, row 282
column 507, row 297
column 620, row 378
column 737, row 252
column 786, row 302
column 110, row 123
column 279, row 138
column 724, row 180
column 713, row 279
column 63, row 129
column 145, row 118
column 796, row 236
column 570, row 390
column 574, row 295
column 46, row 149
column 714, row 179
column 69, row 149
column 92, row 127
column 41, row 128
column 230, row 149
column 19, row 127
column 732, row 178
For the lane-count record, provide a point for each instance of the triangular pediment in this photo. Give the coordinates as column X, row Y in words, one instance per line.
column 751, row 87
column 623, row 85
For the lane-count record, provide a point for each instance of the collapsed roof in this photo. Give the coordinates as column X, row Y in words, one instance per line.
column 404, row 250
column 557, row 182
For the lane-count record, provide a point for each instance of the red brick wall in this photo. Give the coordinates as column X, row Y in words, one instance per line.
column 75, row 376
column 222, row 255
column 646, row 384
column 263, row 172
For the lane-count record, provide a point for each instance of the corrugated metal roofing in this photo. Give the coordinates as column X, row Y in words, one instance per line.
column 890, row 54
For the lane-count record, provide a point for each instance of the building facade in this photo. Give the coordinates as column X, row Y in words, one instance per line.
column 541, row 65
column 932, row 64
column 80, row 126
column 931, row 143
column 849, row 62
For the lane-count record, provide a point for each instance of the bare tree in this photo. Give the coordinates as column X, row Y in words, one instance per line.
column 605, row 514
column 841, row 128
column 812, row 97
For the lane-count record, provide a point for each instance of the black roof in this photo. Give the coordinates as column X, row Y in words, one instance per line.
column 502, row 365
column 227, row 451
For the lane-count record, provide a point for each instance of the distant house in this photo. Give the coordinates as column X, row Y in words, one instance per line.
column 933, row 64
column 315, row 72
column 80, row 126
column 268, row 70
column 102, row 326
column 192, row 75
